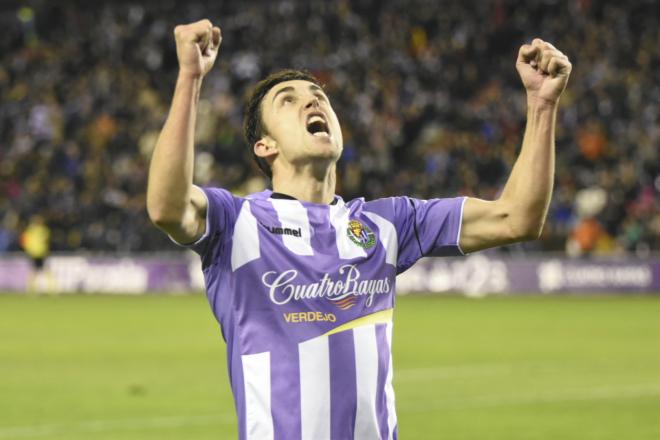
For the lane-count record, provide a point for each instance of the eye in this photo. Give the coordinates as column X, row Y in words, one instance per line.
column 288, row 99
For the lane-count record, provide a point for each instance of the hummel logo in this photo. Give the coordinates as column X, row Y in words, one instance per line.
column 283, row 231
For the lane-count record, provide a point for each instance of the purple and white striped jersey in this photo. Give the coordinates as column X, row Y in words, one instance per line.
column 304, row 295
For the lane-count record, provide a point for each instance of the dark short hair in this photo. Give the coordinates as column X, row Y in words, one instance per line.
column 253, row 125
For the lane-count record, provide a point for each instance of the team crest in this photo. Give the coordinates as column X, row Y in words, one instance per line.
column 360, row 234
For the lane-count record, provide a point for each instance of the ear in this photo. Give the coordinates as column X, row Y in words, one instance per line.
column 266, row 147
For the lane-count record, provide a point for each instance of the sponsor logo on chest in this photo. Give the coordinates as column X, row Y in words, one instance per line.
column 343, row 292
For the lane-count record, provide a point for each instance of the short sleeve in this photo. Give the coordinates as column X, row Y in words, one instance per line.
column 221, row 213
column 427, row 228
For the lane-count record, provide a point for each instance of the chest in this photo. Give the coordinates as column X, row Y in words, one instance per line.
column 290, row 228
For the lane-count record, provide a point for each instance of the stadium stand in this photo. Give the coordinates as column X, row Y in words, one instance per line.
column 426, row 91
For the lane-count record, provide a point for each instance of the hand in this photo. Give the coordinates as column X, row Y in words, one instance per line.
column 197, row 47
column 544, row 70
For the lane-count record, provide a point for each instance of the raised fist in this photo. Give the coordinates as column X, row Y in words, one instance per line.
column 197, row 47
column 544, row 70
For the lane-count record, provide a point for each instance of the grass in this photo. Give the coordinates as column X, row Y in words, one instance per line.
column 153, row 367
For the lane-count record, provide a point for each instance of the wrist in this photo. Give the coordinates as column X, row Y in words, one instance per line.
column 537, row 102
column 190, row 80
column 188, row 75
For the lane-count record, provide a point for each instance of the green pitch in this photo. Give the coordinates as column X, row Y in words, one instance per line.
column 153, row 367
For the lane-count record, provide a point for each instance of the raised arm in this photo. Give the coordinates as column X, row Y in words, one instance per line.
column 519, row 213
column 173, row 203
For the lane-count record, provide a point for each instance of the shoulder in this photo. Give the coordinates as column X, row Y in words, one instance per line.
column 225, row 208
column 387, row 207
column 221, row 195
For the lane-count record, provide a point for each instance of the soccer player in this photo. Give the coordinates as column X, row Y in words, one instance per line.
column 303, row 282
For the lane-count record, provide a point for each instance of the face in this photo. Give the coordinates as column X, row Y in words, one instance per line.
column 301, row 125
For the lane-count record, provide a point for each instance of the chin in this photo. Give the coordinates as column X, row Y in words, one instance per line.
column 328, row 152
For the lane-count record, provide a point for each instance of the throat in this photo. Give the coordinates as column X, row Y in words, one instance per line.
column 306, row 186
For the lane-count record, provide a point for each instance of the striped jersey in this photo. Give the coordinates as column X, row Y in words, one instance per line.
column 304, row 295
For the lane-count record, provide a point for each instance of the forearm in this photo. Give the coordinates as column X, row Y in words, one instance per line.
column 519, row 213
column 171, row 169
column 528, row 190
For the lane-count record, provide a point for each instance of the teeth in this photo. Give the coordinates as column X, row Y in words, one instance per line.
column 321, row 134
column 315, row 119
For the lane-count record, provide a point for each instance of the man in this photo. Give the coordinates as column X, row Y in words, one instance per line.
column 35, row 240
column 301, row 281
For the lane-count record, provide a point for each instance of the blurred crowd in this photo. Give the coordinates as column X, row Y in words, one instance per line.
column 426, row 91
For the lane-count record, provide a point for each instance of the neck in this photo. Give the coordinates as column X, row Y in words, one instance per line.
column 307, row 183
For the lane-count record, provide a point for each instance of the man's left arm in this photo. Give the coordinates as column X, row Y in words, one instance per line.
column 519, row 213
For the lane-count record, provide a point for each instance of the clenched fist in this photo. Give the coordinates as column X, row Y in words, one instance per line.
column 197, row 47
column 544, row 70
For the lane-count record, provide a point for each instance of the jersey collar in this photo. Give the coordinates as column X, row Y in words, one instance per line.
column 278, row 195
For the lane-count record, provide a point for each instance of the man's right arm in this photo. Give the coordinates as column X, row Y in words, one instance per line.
column 173, row 203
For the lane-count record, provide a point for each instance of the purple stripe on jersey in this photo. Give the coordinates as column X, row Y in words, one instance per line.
column 343, row 399
column 383, row 366
column 325, row 241
column 285, row 392
column 238, row 388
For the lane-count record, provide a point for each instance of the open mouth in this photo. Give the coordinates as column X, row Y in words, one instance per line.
column 317, row 126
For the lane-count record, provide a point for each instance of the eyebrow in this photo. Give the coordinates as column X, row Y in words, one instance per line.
column 316, row 88
column 282, row 90
column 312, row 87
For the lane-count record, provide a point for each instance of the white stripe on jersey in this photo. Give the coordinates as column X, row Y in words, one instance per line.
column 389, row 390
column 387, row 236
column 256, row 380
column 292, row 214
column 366, row 375
column 245, row 241
column 339, row 219
column 315, row 388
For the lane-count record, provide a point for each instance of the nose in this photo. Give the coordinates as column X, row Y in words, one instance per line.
column 313, row 103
